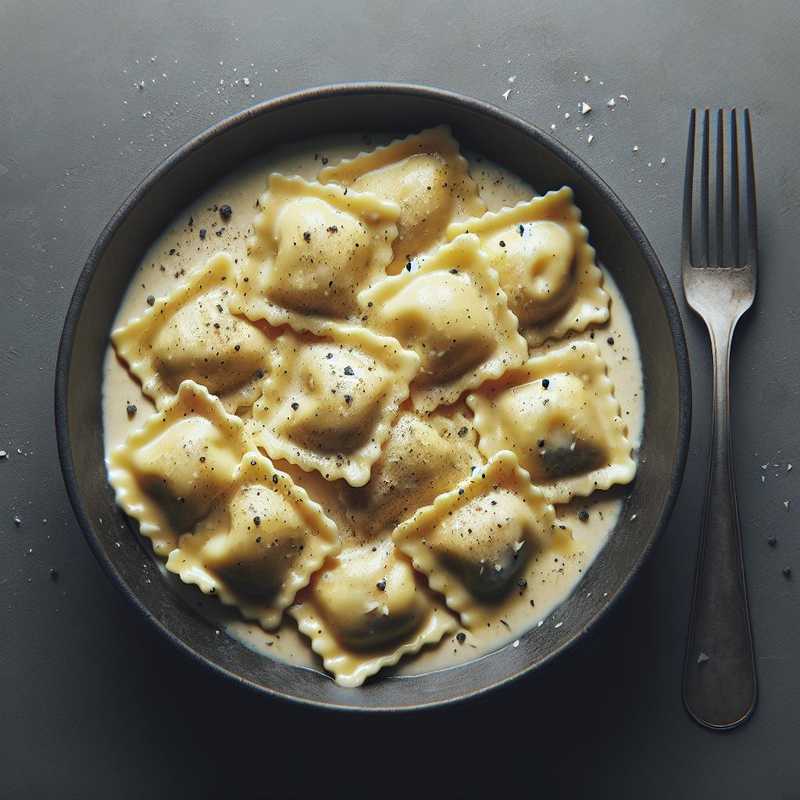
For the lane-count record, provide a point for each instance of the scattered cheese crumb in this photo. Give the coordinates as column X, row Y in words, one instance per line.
column 566, row 115
column 586, row 79
column 611, row 103
column 516, row 643
column 585, row 107
column 663, row 160
column 512, row 78
column 625, row 98
column 590, row 138
column 506, row 93
column 636, row 148
column 786, row 504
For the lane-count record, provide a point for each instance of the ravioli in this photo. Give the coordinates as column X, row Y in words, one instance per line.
column 422, row 458
column 546, row 265
column 260, row 544
column 474, row 542
column 315, row 247
column 168, row 474
column 192, row 335
column 452, row 312
column 559, row 415
column 429, row 179
column 366, row 610
column 328, row 403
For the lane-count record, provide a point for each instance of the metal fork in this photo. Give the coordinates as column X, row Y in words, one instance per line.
column 719, row 264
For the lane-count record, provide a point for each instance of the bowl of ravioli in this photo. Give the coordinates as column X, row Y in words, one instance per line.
column 372, row 397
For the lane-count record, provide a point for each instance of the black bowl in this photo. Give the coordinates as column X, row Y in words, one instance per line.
column 522, row 148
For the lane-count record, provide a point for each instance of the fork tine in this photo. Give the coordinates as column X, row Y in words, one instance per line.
column 704, row 146
column 718, row 187
column 686, row 241
column 734, row 187
column 750, row 192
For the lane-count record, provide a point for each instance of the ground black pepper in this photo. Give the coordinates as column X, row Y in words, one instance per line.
column 225, row 212
column 203, row 233
column 381, row 585
column 151, row 300
column 131, row 410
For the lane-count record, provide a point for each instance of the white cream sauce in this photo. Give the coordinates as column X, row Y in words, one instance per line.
column 553, row 575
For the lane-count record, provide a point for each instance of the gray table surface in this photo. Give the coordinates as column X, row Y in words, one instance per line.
column 92, row 702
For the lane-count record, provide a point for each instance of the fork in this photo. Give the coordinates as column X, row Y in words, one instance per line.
column 719, row 265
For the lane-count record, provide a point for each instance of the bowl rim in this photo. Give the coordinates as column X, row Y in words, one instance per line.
column 574, row 162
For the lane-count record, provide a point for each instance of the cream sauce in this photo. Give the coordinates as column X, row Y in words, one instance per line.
column 552, row 575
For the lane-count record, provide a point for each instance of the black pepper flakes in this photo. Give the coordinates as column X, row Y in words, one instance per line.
column 151, row 301
column 521, row 230
column 772, row 541
column 225, row 212
column 462, row 432
column 256, row 521
column 130, row 409
column 545, row 383
column 295, row 406
column 307, row 236
column 274, row 478
column 610, row 341
column 53, row 574
column 461, row 637
column 381, row 585
column 202, row 233
column 501, row 243
column 348, row 399
column 349, row 371
column 583, row 515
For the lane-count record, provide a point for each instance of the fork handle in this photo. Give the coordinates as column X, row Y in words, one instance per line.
column 719, row 677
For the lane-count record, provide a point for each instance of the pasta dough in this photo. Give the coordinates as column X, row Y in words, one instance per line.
column 168, row 474
column 260, row 544
column 545, row 263
column 421, row 458
column 559, row 415
column 453, row 314
column 426, row 176
column 366, row 610
column 192, row 335
column 473, row 543
column 328, row 403
column 314, row 248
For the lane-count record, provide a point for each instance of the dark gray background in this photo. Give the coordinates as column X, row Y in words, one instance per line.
column 92, row 702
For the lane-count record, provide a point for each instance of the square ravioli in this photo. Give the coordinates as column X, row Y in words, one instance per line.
column 328, row 403
column 452, row 312
column 367, row 609
column 559, row 415
column 259, row 545
column 474, row 543
column 192, row 335
column 168, row 473
column 426, row 175
column 546, row 265
column 315, row 247
column 423, row 457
